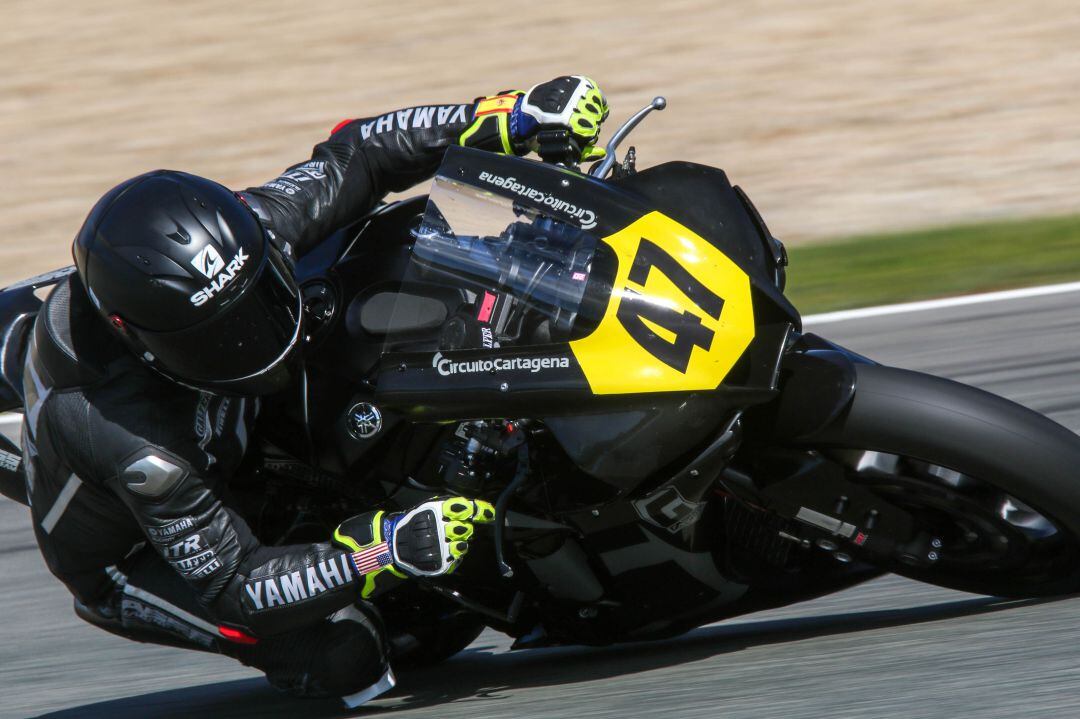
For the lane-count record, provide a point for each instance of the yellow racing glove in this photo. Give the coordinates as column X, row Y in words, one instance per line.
column 510, row 122
column 427, row 541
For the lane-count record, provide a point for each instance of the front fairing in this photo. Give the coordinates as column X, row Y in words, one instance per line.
column 535, row 285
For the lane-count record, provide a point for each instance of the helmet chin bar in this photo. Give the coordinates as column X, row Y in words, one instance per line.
column 220, row 387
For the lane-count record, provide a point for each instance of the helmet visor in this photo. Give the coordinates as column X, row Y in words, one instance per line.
column 247, row 338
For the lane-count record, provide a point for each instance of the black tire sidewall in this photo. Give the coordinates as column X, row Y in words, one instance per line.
column 973, row 432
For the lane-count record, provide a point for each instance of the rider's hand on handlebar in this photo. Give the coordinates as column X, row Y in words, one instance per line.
column 509, row 122
column 427, row 541
column 572, row 102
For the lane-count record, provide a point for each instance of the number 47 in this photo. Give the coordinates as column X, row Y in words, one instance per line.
column 635, row 308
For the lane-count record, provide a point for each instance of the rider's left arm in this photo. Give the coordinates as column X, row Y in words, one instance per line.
column 365, row 159
column 354, row 168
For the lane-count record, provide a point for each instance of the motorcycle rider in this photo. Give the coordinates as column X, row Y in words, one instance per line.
column 143, row 381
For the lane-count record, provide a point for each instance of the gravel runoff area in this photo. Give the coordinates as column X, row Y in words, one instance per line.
column 839, row 116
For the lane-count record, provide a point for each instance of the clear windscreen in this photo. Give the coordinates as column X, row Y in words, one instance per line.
column 487, row 272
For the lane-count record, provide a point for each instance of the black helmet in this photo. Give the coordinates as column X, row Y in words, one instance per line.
column 184, row 272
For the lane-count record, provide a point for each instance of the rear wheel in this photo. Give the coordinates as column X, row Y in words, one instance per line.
column 998, row 483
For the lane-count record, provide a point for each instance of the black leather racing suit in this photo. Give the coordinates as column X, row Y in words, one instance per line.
column 127, row 471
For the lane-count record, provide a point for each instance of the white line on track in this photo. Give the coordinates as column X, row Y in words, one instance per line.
column 862, row 312
column 1019, row 294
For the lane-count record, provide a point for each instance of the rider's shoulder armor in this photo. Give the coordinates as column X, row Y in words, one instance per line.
column 92, row 391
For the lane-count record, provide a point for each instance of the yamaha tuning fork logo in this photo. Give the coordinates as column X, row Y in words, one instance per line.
column 364, row 420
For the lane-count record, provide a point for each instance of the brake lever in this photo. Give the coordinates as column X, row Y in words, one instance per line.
column 601, row 169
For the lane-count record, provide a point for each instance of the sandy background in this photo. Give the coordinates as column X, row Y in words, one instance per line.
column 838, row 117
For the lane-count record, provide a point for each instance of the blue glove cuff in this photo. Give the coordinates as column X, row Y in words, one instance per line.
column 389, row 524
column 522, row 125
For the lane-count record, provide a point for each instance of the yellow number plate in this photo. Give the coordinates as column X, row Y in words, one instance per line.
column 679, row 317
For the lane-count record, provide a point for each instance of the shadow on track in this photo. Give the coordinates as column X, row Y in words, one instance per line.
column 480, row 675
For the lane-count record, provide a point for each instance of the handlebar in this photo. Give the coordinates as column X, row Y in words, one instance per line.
column 558, row 147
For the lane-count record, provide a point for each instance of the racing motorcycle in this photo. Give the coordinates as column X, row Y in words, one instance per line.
column 610, row 359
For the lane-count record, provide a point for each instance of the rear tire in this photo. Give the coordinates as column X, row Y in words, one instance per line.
column 1001, row 451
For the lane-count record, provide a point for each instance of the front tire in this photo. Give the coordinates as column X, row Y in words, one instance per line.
column 999, row 482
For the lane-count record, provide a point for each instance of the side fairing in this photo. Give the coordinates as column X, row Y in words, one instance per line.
column 573, row 297
column 679, row 314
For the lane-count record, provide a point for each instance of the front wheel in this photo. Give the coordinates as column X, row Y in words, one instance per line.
column 998, row 483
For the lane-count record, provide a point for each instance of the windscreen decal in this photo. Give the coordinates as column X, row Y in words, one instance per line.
column 587, row 218
column 679, row 317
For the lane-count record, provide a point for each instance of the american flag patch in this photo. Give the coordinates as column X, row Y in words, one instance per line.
column 372, row 559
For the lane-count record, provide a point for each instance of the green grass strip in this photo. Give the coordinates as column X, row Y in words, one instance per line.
column 901, row 267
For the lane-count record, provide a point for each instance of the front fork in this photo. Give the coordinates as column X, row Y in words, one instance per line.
column 822, row 505
column 827, row 510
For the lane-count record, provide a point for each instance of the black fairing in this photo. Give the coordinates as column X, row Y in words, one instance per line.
column 604, row 435
column 645, row 433
column 634, row 443
column 817, row 383
column 697, row 196
column 345, row 274
column 702, row 198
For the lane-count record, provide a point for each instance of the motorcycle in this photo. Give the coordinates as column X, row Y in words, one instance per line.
column 610, row 359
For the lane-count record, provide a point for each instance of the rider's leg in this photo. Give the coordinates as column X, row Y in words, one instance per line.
column 343, row 655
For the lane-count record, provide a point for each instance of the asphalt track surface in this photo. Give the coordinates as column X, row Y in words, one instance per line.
column 890, row 648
